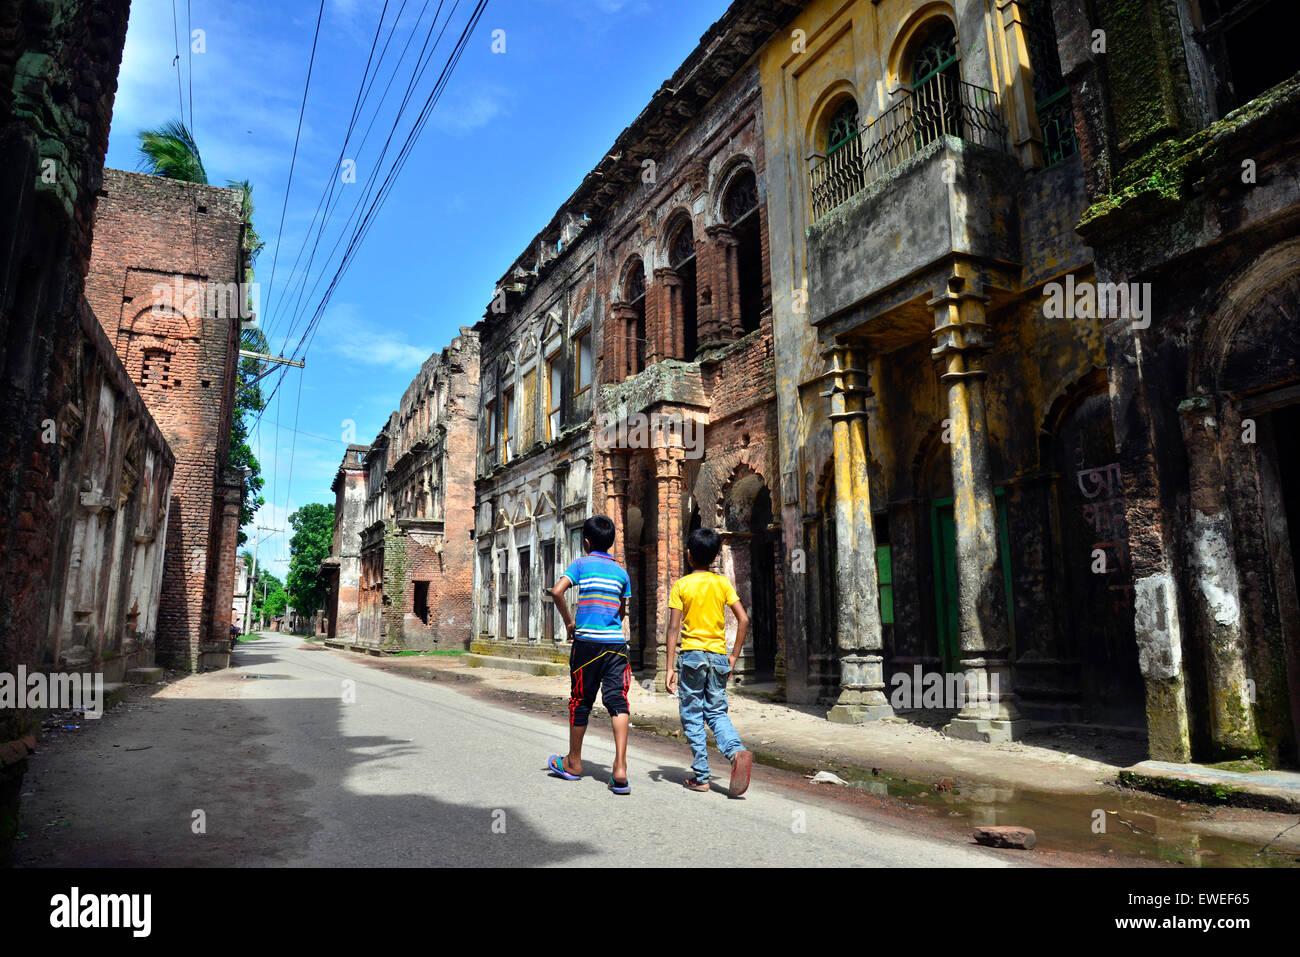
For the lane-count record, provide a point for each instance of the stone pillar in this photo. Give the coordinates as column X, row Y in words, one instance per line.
column 960, row 337
column 1215, row 606
column 668, row 482
column 859, row 639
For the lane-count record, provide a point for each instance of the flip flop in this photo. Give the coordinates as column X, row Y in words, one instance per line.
column 695, row 784
column 556, row 767
column 740, row 768
column 624, row 788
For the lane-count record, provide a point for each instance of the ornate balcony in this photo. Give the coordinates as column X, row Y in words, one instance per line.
column 942, row 106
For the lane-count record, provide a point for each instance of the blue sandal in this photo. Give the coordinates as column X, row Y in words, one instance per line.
column 556, row 767
column 624, row 788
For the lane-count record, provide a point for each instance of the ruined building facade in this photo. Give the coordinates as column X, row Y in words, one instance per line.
column 948, row 492
column 416, row 513
column 628, row 370
column 85, row 472
column 341, row 571
column 1190, row 124
column 164, row 283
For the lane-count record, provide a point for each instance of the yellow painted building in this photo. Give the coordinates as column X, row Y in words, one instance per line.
column 948, row 483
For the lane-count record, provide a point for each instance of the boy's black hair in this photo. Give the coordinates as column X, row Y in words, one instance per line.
column 703, row 546
column 599, row 533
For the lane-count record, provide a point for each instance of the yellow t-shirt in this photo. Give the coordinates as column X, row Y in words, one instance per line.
column 703, row 598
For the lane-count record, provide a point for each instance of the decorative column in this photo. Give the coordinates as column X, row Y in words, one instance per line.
column 1214, row 592
column 960, row 337
column 614, row 467
column 665, row 340
column 622, row 328
column 1018, row 80
column 724, row 326
column 859, row 635
column 668, row 483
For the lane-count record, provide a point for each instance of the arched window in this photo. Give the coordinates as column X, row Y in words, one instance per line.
column 740, row 210
column 681, row 256
column 936, row 84
column 843, row 126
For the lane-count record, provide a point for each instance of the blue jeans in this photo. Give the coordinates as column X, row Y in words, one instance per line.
column 702, row 699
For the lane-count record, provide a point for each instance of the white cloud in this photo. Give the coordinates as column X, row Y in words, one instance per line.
column 346, row 333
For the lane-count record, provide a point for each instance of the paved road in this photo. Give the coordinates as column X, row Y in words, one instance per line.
column 415, row 773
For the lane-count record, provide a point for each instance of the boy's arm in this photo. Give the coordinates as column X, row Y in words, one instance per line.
column 674, row 629
column 557, row 593
column 742, row 629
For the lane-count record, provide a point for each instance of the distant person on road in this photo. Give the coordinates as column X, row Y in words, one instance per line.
column 599, row 658
column 697, row 613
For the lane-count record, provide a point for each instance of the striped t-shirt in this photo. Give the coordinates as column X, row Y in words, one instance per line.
column 602, row 586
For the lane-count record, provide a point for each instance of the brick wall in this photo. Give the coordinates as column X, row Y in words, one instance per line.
column 159, row 248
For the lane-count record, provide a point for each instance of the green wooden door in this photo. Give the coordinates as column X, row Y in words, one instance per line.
column 943, row 536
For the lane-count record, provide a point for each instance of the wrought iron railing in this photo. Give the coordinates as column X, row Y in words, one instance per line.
column 942, row 106
column 1056, row 119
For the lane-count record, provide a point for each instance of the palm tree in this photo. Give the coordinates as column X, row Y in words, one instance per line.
column 170, row 151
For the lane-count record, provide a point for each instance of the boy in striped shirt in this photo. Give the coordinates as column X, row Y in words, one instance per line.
column 599, row 659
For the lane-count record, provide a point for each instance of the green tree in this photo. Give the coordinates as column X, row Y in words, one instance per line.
column 313, row 536
column 171, row 151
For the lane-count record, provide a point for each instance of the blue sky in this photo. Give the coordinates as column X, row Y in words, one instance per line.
column 511, row 138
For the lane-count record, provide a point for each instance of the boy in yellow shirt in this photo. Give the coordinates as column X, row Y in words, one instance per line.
column 696, row 611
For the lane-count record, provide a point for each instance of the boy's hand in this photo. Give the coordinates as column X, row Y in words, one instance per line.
column 671, row 682
column 731, row 659
column 571, row 627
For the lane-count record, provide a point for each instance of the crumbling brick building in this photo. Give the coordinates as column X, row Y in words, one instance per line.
column 165, row 282
column 416, row 546
column 1190, row 129
column 341, row 571
column 85, row 472
column 628, row 369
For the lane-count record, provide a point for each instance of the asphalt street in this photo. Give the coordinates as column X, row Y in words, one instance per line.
column 416, row 773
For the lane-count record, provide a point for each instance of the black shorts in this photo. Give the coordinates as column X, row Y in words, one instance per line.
column 598, row 666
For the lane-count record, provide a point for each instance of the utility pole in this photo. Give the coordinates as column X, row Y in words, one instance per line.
column 248, row 605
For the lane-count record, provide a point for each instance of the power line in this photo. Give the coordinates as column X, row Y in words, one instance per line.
column 176, row 62
column 294, row 160
column 385, row 188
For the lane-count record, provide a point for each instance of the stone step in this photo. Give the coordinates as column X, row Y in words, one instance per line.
column 144, row 676
column 543, row 668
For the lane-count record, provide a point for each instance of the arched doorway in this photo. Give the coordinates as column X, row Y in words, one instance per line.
column 751, row 546
column 1094, row 561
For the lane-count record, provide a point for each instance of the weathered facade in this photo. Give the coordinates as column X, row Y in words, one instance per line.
column 628, row 369
column 85, row 473
column 341, row 572
column 164, row 283
column 1190, row 128
column 948, row 494
column 416, row 545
